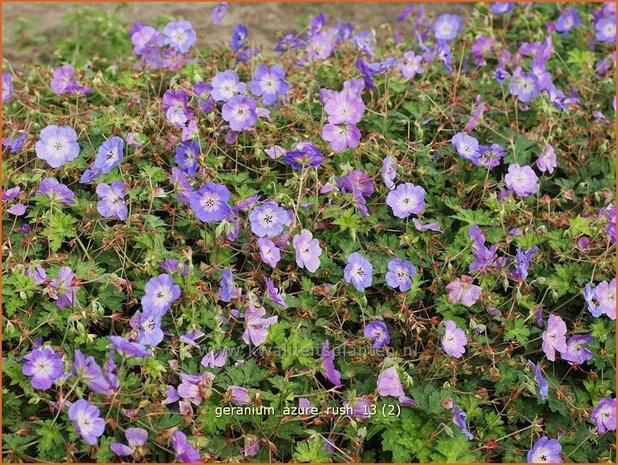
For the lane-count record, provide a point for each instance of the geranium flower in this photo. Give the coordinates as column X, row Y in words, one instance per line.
column 273, row 293
column 454, row 340
column 577, row 351
column 545, row 450
column 447, row 26
column 377, row 333
column 87, row 421
column 269, row 83
column 228, row 290
column 15, row 142
column 525, row 86
column 459, row 417
column 328, row 364
column 360, row 408
column 238, row 395
column 7, row 87
column 462, row 291
column 307, row 250
column 160, row 293
column 341, row 137
column 43, row 366
column 389, row 385
column 406, row 199
column 64, row 82
column 181, row 184
column 467, row 147
column 484, row 258
column 111, row 202
column 179, row 35
column 225, row 85
column 57, row 145
column 489, row 156
column 109, row 155
column 540, row 379
column 389, row 171
column 568, row 20
column 210, row 202
column 605, row 29
column 269, row 252
column 268, row 219
column 554, row 337
column 87, row 369
column 136, row 437
column 410, row 65
column 399, row 275
column 501, row 8
column 240, row 112
column 601, row 299
column 522, row 180
column 358, row 271
column 214, row 360
column 305, row 155
column 185, row 451
column 604, row 415
column 218, row 13
column 256, row 327
column 194, row 387
column 128, row 348
column 522, row 263
column 252, row 445
column 186, row 156
column 344, row 107
column 56, row 192
column 239, row 36
column 63, row 288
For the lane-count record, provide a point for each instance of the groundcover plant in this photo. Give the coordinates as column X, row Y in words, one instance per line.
column 391, row 246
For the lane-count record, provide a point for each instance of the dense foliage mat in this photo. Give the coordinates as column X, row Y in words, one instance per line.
column 383, row 246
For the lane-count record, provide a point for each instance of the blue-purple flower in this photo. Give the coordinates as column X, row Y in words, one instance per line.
column 406, row 199
column 63, row 288
column 268, row 219
column 305, row 155
column 400, row 274
column 577, row 351
column 540, row 380
column 186, row 156
column 454, row 340
column 269, row 83
column 605, row 29
column 218, row 13
column 389, row 384
column 525, row 86
column 179, row 35
column 87, row 421
column 307, row 250
column 377, row 333
column 109, row 155
column 111, row 202
column 43, row 366
column 545, row 450
column 328, row 364
column 256, row 327
column 459, row 417
column 226, row 85
column 240, row 112
column 56, row 192
column 239, row 36
column 554, row 337
column 604, row 415
column 447, row 26
column 501, row 8
column 7, row 86
column 185, row 451
column 136, row 437
column 522, row 180
column 358, row 271
column 467, row 146
column 57, row 145
column 568, row 20
column 210, row 202
column 160, row 293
